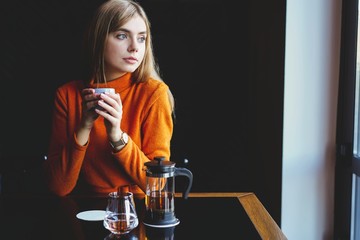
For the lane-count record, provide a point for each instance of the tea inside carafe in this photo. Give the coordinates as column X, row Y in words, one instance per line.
column 160, row 205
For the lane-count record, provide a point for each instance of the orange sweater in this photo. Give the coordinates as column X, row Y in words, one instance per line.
column 95, row 168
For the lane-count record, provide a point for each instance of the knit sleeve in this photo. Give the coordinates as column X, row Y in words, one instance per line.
column 65, row 155
column 157, row 130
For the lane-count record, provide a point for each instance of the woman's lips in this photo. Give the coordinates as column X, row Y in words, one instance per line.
column 130, row 60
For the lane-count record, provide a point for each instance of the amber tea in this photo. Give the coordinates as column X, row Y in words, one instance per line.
column 120, row 223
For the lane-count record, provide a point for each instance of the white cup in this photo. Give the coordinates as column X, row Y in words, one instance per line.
column 104, row 90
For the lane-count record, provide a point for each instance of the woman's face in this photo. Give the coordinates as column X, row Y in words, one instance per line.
column 125, row 48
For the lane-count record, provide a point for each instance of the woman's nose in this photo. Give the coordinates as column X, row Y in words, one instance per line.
column 133, row 46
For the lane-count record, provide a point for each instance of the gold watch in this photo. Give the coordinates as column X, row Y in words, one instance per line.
column 121, row 143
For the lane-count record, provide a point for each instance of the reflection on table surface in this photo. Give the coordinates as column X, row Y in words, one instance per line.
column 202, row 216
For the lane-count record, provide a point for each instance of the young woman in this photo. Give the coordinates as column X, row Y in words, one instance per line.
column 101, row 141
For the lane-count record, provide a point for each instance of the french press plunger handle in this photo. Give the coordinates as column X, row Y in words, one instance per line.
column 179, row 172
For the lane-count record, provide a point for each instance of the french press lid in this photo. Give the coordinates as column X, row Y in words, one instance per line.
column 159, row 167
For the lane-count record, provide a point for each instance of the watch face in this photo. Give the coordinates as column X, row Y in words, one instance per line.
column 123, row 141
column 125, row 137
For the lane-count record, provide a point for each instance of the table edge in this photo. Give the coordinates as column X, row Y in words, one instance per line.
column 259, row 216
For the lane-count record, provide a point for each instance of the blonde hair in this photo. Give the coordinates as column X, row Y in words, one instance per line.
column 109, row 17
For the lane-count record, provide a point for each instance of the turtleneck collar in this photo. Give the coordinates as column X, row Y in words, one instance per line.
column 119, row 84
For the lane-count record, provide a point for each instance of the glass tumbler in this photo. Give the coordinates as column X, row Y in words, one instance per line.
column 120, row 217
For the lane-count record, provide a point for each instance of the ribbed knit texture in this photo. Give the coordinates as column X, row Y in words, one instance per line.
column 146, row 118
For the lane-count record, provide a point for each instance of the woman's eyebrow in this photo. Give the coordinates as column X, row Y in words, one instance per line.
column 129, row 31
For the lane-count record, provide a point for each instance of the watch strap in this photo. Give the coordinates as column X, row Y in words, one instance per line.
column 121, row 143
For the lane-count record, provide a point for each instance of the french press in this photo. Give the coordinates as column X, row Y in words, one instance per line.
column 160, row 192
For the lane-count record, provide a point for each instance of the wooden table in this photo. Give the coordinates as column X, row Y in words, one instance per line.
column 202, row 216
column 263, row 222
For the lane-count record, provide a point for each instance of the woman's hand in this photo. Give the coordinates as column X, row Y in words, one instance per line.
column 112, row 112
column 89, row 103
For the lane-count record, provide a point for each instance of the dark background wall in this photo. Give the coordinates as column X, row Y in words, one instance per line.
column 223, row 60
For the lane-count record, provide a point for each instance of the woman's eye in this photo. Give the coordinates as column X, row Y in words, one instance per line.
column 121, row 36
column 141, row 39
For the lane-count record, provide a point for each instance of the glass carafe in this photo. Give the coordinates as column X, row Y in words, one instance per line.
column 160, row 192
